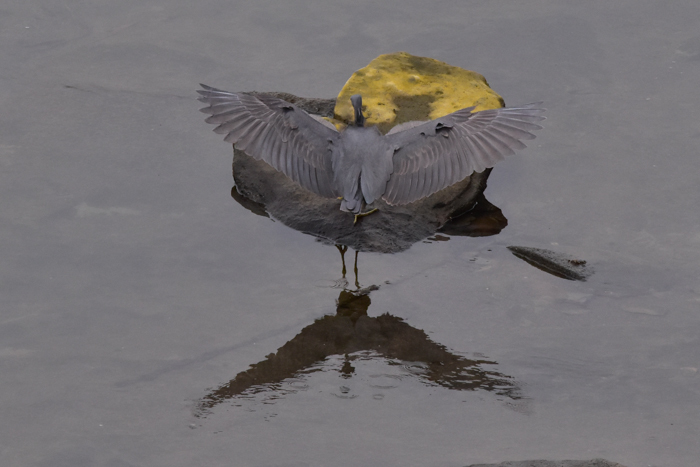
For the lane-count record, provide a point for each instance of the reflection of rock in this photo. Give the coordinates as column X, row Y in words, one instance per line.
column 351, row 331
column 483, row 220
column 556, row 264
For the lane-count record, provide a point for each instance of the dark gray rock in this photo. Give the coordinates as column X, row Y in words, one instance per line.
column 554, row 263
column 545, row 463
column 390, row 229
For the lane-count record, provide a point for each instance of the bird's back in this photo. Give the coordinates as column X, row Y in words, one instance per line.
column 362, row 165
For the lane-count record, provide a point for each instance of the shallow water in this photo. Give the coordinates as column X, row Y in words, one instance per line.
column 133, row 285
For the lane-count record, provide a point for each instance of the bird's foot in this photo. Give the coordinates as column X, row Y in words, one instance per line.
column 363, row 214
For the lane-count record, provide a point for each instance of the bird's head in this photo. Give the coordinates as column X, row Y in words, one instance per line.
column 357, row 105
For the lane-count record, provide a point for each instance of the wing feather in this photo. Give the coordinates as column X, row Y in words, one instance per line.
column 452, row 165
column 436, row 154
column 251, row 133
column 265, row 141
column 488, row 155
column 501, row 146
column 472, row 158
column 507, row 138
column 413, row 184
column 277, row 132
column 442, row 162
column 463, row 158
column 230, row 126
column 420, row 185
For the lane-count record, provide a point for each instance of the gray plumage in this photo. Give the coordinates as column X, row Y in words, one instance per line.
column 359, row 164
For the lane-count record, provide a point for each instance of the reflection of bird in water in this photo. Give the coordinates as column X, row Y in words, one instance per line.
column 359, row 164
column 356, row 336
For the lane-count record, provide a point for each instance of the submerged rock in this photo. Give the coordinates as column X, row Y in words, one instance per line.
column 546, row 463
column 556, row 264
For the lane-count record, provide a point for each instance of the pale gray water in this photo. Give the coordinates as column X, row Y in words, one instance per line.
column 132, row 284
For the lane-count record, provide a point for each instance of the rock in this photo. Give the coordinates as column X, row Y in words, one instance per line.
column 400, row 87
column 391, row 229
column 545, row 463
column 556, row 264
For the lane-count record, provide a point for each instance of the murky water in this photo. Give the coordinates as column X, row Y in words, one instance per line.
column 137, row 294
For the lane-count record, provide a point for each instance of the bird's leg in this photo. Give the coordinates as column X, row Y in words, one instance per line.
column 342, row 283
column 342, row 249
column 357, row 279
column 363, row 214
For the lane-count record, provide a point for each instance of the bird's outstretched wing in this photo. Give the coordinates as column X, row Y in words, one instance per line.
column 439, row 153
column 277, row 132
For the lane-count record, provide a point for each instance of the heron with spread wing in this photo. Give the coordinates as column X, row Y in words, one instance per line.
column 360, row 165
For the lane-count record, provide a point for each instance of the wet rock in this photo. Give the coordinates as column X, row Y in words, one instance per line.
column 545, row 463
column 551, row 262
column 483, row 220
column 391, row 229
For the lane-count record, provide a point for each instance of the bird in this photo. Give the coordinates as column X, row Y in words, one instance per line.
column 359, row 164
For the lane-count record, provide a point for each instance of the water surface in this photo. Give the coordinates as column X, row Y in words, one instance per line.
column 133, row 286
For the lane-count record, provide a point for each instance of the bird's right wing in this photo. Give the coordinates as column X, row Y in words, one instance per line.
column 277, row 132
column 436, row 154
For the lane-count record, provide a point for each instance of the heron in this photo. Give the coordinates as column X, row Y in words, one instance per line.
column 359, row 164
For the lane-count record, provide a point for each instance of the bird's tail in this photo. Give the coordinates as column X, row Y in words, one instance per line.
column 353, row 201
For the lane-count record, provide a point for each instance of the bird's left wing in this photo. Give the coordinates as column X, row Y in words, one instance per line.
column 277, row 132
column 434, row 155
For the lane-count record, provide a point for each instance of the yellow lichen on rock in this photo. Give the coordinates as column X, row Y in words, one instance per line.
column 401, row 87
